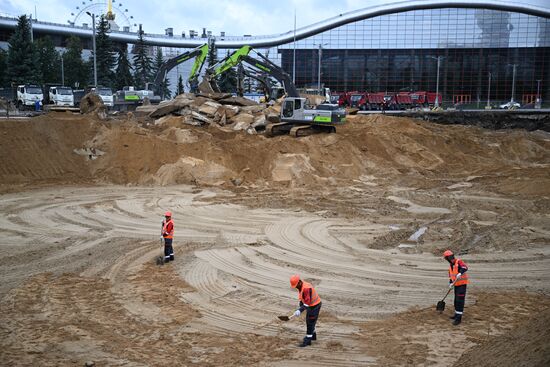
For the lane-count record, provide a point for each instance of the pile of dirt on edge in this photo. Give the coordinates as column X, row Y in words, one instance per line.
column 41, row 150
column 526, row 345
column 505, row 323
column 71, row 148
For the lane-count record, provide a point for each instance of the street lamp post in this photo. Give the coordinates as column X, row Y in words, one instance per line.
column 294, row 52
column 489, row 93
column 538, row 102
column 62, row 72
column 93, row 44
column 438, row 58
column 319, row 66
column 513, row 82
column 514, row 66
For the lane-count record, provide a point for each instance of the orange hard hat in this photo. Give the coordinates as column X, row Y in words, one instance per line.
column 168, row 214
column 294, row 280
column 448, row 253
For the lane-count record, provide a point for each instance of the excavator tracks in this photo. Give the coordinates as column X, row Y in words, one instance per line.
column 305, row 130
column 296, row 131
column 279, row 128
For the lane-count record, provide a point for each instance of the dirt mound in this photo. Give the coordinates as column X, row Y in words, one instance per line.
column 40, row 150
column 90, row 103
column 173, row 152
column 526, row 345
column 497, row 330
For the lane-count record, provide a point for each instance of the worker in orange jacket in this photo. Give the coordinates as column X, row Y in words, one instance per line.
column 167, row 233
column 310, row 301
column 459, row 280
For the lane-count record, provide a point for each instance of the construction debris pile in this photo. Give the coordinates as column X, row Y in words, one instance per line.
column 217, row 109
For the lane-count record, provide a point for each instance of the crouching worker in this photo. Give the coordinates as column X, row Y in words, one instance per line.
column 309, row 302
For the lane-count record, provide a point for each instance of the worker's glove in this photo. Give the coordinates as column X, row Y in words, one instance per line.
column 451, row 285
column 458, row 276
column 297, row 313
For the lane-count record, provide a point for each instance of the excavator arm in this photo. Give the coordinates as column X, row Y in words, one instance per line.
column 200, row 53
column 261, row 77
column 262, row 63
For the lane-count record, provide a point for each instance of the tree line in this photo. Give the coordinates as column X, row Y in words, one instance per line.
column 40, row 63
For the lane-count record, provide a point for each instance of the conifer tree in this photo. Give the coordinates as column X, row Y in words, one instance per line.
column 77, row 72
column 181, row 89
column 228, row 81
column 3, row 68
column 50, row 61
column 123, row 70
column 22, row 63
column 142, row 62
column 105, row 58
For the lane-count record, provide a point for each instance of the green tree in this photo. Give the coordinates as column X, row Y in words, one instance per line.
column 105, row 58
column 77, row 74
column 181, row 89
column 227, row 82
column 22, row 64
column 142, row 62
column 3, row 68
column 50, row 61
column 123, row 70
column 164, row 87
column 212, row 57
column 165, row 92
column 157, row 64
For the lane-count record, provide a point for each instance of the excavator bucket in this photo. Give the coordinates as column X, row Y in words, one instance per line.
column 205, row 87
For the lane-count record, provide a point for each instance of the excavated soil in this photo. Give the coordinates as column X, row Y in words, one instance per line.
column 363, row 214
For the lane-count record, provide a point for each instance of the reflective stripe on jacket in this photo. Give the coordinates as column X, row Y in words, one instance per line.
column 308, row 295
column 168, row 229
column 453, row 271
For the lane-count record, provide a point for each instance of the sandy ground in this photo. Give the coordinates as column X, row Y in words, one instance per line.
column 363, row 214
column 80, row 283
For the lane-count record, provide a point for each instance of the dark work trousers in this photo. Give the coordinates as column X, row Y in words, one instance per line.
column 311, row 318
column 460, row 298
column 168, row 249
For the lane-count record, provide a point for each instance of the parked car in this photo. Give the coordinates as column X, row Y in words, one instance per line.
column 510, row 105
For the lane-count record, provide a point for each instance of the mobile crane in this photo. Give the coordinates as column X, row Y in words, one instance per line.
column 200, row 53
column 295, row 118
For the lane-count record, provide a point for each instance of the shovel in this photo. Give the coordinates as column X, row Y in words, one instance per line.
column 441, row 304
column 285, row 318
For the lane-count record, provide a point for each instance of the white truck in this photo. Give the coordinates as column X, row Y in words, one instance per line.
column 28, row 95
column 61, row 96
column 106, row 95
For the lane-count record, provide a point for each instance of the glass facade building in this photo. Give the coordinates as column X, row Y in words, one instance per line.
column 483, row 53
column 398, row 52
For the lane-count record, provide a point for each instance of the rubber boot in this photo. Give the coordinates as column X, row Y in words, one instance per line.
column 305, row 342
column 314, row 336
column 458, row 320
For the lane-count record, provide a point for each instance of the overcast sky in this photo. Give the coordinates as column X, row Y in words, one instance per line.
column 255, row 17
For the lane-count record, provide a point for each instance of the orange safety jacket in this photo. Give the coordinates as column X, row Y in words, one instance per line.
column 453, row 271
column 168, row 229
column 308, row 295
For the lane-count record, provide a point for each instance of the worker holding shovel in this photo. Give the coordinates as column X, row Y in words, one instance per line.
column 167, row 235
column 459, row 280
column 310, row 301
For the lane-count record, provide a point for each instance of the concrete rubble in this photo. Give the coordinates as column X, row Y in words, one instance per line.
column 215, row 109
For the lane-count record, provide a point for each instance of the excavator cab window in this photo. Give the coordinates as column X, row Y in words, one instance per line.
column 288, row 109
column 297, row 104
